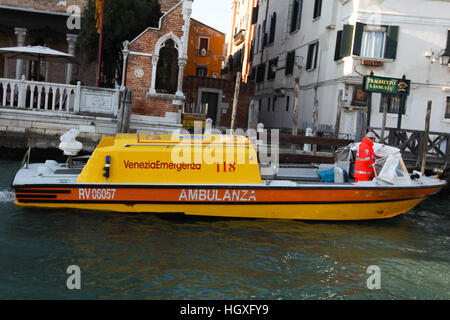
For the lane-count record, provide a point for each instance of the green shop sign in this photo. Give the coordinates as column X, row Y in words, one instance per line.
column 386, row 85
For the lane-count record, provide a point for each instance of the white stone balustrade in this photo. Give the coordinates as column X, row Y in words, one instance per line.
column 33, row 95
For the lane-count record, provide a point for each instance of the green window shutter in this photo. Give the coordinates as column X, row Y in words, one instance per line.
column 345, row 49
column 391, row 42
column 337, row 51
column 359, row 29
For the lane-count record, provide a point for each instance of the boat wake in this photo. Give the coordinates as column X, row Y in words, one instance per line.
column 7, row 196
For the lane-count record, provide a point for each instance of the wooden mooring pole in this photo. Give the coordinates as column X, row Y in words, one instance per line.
column 235, row 100
column 425, row 137
column 295, row 114
column 337, row 126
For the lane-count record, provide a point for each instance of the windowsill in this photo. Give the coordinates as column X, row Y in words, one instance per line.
column 445, row 120
column 315, row 19
column 269, row 45
column 358, row 58
column 394, row 115
column 309, row 70
column 165, row 96
column 373, row 59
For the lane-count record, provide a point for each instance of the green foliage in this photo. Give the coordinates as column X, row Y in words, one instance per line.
column 122, row 20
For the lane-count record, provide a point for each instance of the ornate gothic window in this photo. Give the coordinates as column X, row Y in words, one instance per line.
column 167, row 69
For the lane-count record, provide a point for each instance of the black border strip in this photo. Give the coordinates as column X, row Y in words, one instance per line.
column 37, row 196
column 43, row 191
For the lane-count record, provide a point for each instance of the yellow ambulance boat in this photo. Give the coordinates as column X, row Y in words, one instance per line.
column 208, row 176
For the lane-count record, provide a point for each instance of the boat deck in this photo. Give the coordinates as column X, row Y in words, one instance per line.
column 53, row 173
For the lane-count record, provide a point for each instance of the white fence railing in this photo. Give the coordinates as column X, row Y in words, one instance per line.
column 32, row 95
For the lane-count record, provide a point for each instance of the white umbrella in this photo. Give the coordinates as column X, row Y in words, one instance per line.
column 37, row 53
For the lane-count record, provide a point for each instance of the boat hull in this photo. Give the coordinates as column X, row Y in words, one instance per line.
column 303, row 203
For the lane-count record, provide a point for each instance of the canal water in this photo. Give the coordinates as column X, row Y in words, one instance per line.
column 151, row 256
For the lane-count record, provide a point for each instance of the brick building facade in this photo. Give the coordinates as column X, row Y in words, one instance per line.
column 155, row 62
column 161, row 73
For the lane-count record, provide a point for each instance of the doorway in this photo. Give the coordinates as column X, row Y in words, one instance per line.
column 209, row 103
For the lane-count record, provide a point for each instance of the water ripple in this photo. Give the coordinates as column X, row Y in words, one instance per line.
column 7, row 196
column 153, row 256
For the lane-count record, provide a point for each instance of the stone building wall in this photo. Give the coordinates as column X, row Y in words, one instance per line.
column 212, row 61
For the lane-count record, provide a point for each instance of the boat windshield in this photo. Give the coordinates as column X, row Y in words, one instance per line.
column 393, row 170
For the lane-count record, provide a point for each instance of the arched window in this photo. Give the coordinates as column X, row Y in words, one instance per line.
column 167, row 68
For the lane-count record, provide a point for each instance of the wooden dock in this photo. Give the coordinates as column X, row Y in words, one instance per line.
column 410, row 142
column 413, row 144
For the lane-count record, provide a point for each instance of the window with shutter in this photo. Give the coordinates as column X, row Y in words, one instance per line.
column 447, row 109
column 359, row 30
column 290, row 60
column 296, row 15
column 255, row 15
column 447, row 50
column 202, row 71
column 372, row 41
column 367, row 41
column 337, row 50
column 273, row 25
column 311, row 60
column 317, row 8
column 346, row 41
column 271, row 73
column 392, row 33
column 263, row 35
column 261, row 70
